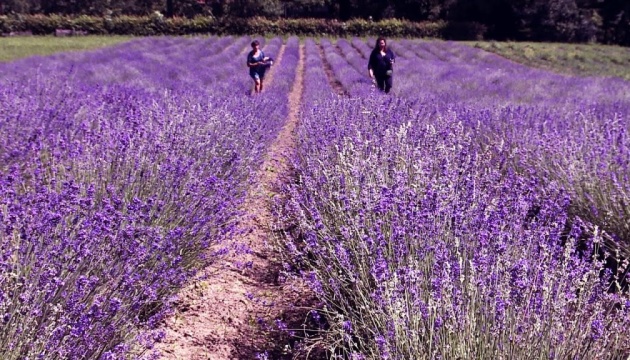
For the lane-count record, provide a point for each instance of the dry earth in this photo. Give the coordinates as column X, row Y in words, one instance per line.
column 216, row 317
column 336, row 85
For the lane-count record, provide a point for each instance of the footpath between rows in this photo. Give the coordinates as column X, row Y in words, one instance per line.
column 218, row 313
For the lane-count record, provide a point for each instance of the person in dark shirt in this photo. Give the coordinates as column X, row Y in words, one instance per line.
column 381, row 64
column 258, row 64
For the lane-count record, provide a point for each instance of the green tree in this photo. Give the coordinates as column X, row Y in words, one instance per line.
column 308, row 8
column 616, row 21
column 15, row 6
column 419, row 10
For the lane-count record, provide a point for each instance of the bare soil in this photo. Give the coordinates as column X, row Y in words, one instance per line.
column 334, row 83
column 219, row 313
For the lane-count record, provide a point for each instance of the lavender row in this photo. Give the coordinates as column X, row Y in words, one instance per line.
column 287, row 70
column 362, row 47
column 581, row 133
column 427, row 236
column 578, row 125
column 141, row 64
column 319, row 87
column 63, row 74
column 354, row 82
column 498, row 79
column 590, row 114
column 575, row 133
column 423, row 246
column 462, row 74
column 354, row 58
column 111, row 192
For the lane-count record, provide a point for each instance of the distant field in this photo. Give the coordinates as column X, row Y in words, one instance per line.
column 12, row 48
column 579, row 59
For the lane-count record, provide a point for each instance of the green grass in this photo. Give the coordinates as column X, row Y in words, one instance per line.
column 12, row 48
column 577, row 59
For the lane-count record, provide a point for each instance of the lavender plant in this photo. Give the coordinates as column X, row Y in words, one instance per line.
column 430, row 230
column 423, row 247
column 116, row 184
column 575, row 124
column 353, row 81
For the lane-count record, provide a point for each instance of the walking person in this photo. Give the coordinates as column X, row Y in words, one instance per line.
column 258, row 64
column 381, row 65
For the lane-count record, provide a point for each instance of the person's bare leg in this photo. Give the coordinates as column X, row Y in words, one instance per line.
column 261, row 85
column 257, row 86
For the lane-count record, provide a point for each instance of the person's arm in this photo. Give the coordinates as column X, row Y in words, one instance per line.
column 392, row 56
column 250, row 61
column 370, row 65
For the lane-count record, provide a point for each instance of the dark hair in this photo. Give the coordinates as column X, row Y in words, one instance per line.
column 255, row 43
column 376, row 47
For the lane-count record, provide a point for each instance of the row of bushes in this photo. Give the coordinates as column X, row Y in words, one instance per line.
column 158, row 25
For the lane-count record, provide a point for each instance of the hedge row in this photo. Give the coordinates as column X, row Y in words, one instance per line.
column 158, row 25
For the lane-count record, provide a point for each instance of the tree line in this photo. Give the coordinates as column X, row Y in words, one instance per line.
column 606, row 21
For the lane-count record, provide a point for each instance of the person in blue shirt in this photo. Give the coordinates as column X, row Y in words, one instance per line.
column 258, row 64
column 381, row 65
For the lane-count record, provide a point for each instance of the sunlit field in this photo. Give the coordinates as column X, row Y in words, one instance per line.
column 578, row 59
column 471, row 215
column 119, row 168
column 479, row 211
column 12, row 48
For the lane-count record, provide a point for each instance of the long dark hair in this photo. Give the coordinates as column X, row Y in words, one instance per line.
column 376, row 47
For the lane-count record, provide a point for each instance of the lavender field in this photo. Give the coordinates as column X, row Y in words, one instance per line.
column 480, row 211
column 119, row 168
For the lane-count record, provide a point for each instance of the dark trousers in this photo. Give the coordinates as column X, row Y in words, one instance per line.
column 384, row 82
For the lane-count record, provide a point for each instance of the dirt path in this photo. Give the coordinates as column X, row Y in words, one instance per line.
column 332, row 79
column 216, row 317
column 359, row 51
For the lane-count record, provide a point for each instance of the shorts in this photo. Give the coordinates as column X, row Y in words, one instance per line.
column 257, row 74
